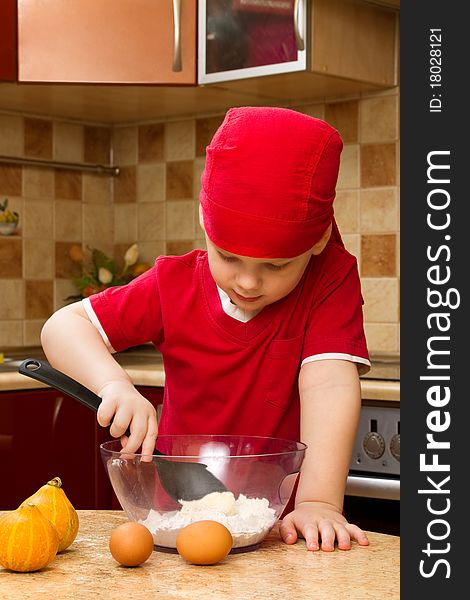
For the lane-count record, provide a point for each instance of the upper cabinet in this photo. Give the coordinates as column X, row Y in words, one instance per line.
column 104, row 41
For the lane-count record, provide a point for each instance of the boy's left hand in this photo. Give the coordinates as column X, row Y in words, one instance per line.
column 320, row 524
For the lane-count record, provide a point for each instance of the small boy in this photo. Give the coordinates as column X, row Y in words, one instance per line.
column 262, row 334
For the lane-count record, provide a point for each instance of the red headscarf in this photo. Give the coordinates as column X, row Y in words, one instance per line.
column 269, row 182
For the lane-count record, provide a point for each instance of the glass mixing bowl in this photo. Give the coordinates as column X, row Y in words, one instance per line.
column 258, row 473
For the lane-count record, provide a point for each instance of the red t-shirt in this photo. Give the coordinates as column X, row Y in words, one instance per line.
column 223, row 376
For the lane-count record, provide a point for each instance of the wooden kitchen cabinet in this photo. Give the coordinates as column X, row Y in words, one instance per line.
column 105, row 41
column 44, row 434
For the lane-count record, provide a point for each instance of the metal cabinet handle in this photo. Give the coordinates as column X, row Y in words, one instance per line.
column 298, row 38
column 177, row 35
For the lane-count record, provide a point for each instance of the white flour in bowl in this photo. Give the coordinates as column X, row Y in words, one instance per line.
column 249, row 520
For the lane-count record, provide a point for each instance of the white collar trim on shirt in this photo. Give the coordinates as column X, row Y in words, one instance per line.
column 232, row 310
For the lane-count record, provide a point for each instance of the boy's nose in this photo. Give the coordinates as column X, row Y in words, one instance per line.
column 248, row 282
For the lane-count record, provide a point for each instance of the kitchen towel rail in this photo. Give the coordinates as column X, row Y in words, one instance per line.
column 99, row 169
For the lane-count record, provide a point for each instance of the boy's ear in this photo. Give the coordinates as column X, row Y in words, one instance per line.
column 323, row 241
column 201, row 219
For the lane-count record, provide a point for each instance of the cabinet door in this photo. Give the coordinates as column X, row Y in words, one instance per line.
column 107, row 41
column 248, row 38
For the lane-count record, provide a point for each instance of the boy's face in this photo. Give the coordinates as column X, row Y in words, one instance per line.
column 253, row 283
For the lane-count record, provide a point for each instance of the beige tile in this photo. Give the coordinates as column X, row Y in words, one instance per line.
column 151, row 182
column 199, row 165
column 379, row 211
column 378, row 165
column 125, row 223
column 38, row 138
column 200, row 244
column 63, row 288
column 12, row 295
column 10, row 180
column 65, row 267
column 68, row 142
column 386, row 92
column 179, row 180
column 32, row 332
column 352, row 243
column 68, row 221
column 378, row 255
column 68, row 184
column 382, row 337
column 151, row 142
column 125, row 185
column 313, row 110
column 11, row 257
column 344, row 116
column 180, row 222
column 179, row 247
column 11, row 333
column 346, row 206
column 38, row 299
column 125, row 146
column 151, row 222
column 38, row 182
column 180, row 140
column 11, row 135
column 38, row 259
column 349, row 168
column 149, row 251
column 379, row 119
column 205, row 129
column 96, row 189
column 380, row 299
column 38, row 220
column 97, row 145
column 98, row 224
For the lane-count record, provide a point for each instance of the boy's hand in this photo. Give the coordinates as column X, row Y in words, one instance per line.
column 320, row 524
column 126, row 408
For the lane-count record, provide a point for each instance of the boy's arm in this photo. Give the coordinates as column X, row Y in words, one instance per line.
column 330, row 404
column 73, row 345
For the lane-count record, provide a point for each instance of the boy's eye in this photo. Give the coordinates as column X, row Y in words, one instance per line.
column 276, row 267
column 228, row 258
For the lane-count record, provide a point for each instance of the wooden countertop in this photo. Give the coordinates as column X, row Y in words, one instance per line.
column 274, row 571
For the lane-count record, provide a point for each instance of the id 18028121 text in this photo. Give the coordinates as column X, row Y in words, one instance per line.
column 435, row 69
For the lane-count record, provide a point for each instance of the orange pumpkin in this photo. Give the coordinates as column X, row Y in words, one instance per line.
column 54, row 504
column 28, row 540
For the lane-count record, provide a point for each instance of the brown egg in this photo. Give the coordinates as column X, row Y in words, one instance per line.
column 131, row 544
column 204, row 542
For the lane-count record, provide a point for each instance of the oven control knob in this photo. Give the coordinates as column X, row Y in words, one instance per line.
column 395, row 446
column 373, row 444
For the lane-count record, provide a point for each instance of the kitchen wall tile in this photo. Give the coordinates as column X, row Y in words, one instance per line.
column 346, row 206
column 68, row 142
column 344, row 116
column 11, row 135
column 180, row 141
column 352, row 243
column 378, row 165
column 149, row 251
column 67, row 184
column 379, row 119
column 97, row 145
column 65, row 267
column 98, row 222
column 125, row 223
column 378, row 255
column 11, row 333
column 379, row 210
column 68, row 221
column 179, row 180
column 63, row 288
column 199, row 244
column 382, row 337
column 12, row 294
column 125, row 185
column 205, row 129
column 313, row 110
column 11, row 257
column 38, row 138
column 38, row 219
column 179, row 247
column 151, row 222
column 38, row 299
column 180, row 223
column 38, row 259
column 349, row 168
column 96, row 189
column 10, row 180
column 125, row 146
column 151, row 182
column 38, row 182
column 151, row 142
column 199, row 165
column 384, row 92
column 32, row 332
column 380, row 299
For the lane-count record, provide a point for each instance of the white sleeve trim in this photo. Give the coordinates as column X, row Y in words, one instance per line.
column 95, row 321
column 364, row 362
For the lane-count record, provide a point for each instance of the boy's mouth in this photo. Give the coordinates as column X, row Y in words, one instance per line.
column 246, row 299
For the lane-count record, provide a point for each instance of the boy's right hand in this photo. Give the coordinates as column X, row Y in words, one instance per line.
column 125, row 408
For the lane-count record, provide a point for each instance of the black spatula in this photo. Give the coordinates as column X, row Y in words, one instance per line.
column 181, row 480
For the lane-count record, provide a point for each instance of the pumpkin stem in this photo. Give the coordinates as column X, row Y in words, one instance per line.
column 56, row 482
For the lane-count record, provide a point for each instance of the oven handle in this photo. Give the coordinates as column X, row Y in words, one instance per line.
column 373, row 487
